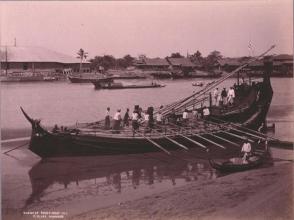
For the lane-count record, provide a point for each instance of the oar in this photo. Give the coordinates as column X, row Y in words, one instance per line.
column 191, row 140
column 248, row 129
column 238, row 136
column 154, row 143
column 173, row 141
column 206, row 139
column 229, row 127
column 15, row 148
column 223, row 139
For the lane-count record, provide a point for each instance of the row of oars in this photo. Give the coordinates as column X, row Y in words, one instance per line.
column 228, row 128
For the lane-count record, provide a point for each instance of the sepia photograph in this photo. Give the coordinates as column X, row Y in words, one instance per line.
column 138, row 110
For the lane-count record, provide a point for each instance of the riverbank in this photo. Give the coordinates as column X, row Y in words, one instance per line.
column 258, row 194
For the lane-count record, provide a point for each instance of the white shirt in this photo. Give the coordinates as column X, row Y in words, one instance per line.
column 135, row 116
column 158, row 117
column 117, row 116
column 206, row 111
column 146, row 117
column 107, row 113
column 231, row 93
column 185, row 115
column 246, row 147
column 215, row 93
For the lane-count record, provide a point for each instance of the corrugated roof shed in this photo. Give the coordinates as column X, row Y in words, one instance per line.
column 181, row 62
column 35, row 54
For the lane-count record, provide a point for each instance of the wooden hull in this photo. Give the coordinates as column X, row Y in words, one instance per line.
column 77, row 79
column 60, row 145
column 127, row 87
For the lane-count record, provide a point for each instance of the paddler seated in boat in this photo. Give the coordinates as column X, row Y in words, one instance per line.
column 117, row 120
column 107, row 118
column 246, row 150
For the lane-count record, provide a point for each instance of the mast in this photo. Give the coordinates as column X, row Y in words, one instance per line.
column 6, row 63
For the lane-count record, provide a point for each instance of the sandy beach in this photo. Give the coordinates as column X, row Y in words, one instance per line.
column 265, row 193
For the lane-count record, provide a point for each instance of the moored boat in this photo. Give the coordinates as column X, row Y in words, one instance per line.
column 198, row 83
column 236, row 164
column 108, row 83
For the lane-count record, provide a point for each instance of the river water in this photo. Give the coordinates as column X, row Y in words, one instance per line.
column 76, row 185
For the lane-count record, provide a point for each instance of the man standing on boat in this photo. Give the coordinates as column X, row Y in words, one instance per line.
column 117, row 120
column 224, row 96
column 126, row 118
column 185, row 117
column 231, row 96
column 107, row 118
column 135, row 123
column 215, row 96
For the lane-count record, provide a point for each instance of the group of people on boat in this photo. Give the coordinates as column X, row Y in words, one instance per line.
column 228, row 97
column 149, row 120
column 224, row 97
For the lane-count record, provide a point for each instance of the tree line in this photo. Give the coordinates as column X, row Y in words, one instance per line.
column 110, row 62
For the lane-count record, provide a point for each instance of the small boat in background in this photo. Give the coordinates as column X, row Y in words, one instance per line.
column 198, row 83
column 108, row 83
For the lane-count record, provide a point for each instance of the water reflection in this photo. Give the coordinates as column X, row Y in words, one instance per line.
column 109, row 175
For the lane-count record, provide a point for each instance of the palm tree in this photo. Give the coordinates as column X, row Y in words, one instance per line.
column 81, row 55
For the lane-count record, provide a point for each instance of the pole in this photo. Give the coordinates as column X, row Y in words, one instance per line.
column 223, row 139
column 206, row 139
column 154, row 143
column 248, row 129
column 6, row 60
column 173, row 141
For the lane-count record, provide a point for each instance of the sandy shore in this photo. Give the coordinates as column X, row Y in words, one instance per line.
column 258, row 194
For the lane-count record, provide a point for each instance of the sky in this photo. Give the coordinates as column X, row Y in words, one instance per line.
column 155, row 29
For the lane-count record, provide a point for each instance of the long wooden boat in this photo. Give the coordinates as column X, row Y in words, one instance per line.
column 108, row 83
column 79, row 79
column 208, row 132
